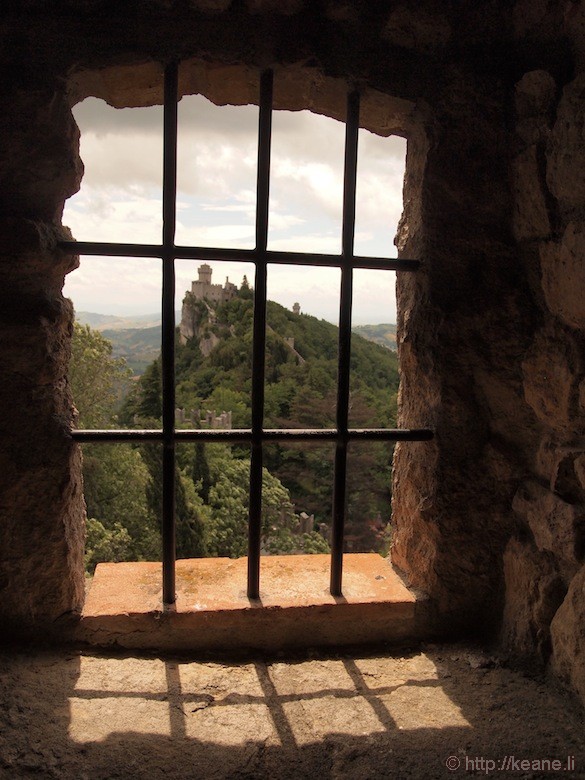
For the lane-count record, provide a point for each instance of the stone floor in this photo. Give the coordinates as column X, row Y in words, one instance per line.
column 433, row 712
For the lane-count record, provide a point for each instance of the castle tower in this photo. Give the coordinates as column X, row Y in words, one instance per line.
column 296, row 308
column 205, row 272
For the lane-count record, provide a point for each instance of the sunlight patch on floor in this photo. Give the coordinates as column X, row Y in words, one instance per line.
column 234, row 704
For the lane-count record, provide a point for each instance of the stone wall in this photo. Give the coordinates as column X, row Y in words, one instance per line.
column 489, row 515
column 544, row 615
column 41, row 501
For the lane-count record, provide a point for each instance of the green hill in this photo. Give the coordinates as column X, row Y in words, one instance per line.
column 117, row 322
column 214, row 370
column 138, row 346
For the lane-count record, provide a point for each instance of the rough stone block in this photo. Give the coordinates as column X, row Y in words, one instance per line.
column 554, row 523
column 568, row 636
column 533, row 594
column 530, row 218
column 566, row 159
column 534, row 94
column 286, row 7
column 211, row 6
column 580, row 470
column 551, row 371
column 563, row 275
column 138, row 84
column 536, row 19
column 416, row 28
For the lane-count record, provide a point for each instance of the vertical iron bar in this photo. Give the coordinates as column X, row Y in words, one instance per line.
column 259, row 344
column 168, row 330
column 343, row 376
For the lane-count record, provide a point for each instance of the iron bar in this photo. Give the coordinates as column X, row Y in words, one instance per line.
column 343, row 378
column 168, row 331
column 239, row 255
column 245, row 435
column 111, row 249
column 259, row 337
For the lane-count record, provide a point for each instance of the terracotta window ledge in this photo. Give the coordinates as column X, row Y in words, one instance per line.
column 212, row 610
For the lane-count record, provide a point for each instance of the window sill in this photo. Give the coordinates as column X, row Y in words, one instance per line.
column 213, row 612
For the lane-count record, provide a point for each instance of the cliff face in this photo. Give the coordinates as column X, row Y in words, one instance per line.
column 190, row 318
column 196, row 317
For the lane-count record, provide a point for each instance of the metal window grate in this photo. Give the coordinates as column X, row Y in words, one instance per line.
column 257, row 435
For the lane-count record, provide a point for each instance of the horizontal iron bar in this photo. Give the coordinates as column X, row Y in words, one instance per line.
column 109, row 249
column 245, row 435
column 238, row 255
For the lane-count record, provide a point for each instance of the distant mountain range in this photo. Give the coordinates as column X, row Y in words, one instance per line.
column 126, row 322
column 137, row 338
column 384, row 334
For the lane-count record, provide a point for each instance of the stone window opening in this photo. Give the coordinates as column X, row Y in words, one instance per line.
column 257, row 436
column 487, row 516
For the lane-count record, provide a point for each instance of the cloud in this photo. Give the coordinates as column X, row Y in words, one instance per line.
column 116, row 285
column 107, row 214
column 120, row 199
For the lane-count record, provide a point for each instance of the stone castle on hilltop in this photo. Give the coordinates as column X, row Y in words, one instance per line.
column 203, row 290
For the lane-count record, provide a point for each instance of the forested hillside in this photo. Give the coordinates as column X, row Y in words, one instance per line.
column 213, row 372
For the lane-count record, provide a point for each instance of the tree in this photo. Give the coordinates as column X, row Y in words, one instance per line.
column 190, row 513
column 98, row 380
column 150, row 392
column 228, row 499
column 120, row 525
column 200, row 473
column 115, row 481
column 245, row 290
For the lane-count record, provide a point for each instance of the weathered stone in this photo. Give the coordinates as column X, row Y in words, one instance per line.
column 417, row 28
column 568, row 636
column 566, row 158
column 41, row 500
column 40, row 166
column 286, row 7
column 533, row 594
column 563, row 275
column 341, row 11
column 124, row 85
column 565, row 479
column 555, row 524
column 536, row 20
column 213, row 6
column 530, row 219
column 579, row 466
column 534, row 94
column 574, row 29
column 511, row 420
column 550, row 375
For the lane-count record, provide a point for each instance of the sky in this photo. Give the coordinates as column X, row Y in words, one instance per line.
column 120, row 200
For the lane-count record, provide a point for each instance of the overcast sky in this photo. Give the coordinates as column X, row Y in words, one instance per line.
column 120, row 200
